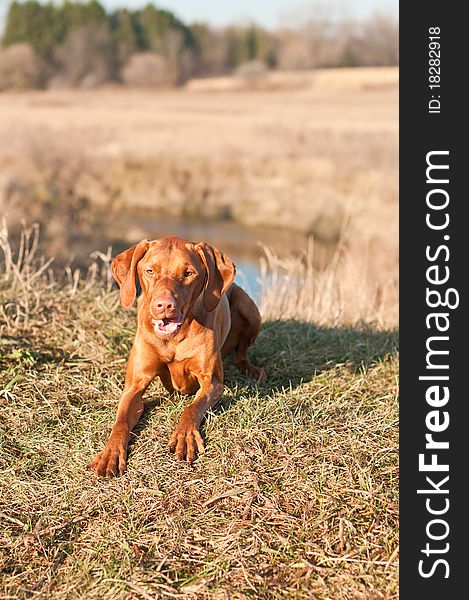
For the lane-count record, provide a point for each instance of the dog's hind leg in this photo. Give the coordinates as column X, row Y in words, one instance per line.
column 245, row 327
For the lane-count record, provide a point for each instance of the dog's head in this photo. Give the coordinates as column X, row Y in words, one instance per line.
column 172, row 273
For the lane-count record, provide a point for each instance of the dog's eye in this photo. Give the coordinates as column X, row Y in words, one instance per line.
column 149, row 271
column 187, row 273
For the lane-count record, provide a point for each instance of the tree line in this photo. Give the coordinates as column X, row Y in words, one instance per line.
column 80, row 43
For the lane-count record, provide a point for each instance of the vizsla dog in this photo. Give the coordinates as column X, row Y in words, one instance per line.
column 190, row 315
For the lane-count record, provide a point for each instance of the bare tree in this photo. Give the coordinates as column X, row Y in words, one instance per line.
column 147, row 69
column 87, row 58
column 21, row 68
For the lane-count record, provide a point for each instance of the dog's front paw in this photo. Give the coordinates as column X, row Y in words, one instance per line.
column 110, row 462
column 186, row 442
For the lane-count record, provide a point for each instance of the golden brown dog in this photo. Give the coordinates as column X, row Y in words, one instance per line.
column 190, row 314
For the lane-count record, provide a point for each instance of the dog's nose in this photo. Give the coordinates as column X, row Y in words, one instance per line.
column 164, row 303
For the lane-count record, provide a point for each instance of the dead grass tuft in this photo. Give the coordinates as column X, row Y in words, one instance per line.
column 296, row 496
column 345, row 291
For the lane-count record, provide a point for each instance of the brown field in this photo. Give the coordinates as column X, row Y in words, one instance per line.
column 320, row 159
column 302, row 158
column 344, row 79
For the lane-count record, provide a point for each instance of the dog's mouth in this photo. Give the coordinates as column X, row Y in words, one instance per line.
column 167, row 326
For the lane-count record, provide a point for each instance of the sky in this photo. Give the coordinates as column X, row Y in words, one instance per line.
column 269, row 13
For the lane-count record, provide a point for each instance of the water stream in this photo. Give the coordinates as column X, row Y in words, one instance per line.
column 242, row 244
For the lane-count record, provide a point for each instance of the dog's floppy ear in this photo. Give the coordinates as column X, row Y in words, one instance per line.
column 124, row 270
column 220, row 274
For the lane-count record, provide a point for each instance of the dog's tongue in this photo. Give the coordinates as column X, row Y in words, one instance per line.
column 167, row 325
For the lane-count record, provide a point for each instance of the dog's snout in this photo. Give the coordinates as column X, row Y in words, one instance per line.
column 165, row 303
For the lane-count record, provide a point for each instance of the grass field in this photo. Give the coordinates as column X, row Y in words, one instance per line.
column 296, row 496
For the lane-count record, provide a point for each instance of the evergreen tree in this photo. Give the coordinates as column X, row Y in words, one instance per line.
column 45, row 26
column 155, row 25
column 34, row 23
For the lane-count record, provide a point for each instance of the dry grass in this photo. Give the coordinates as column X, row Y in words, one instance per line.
column 343, row 78
column 296, row 496
column 298, row 158
column 344, row 292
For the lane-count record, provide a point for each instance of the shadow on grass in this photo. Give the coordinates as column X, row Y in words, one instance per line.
column 293, row 352
column 149, row 406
